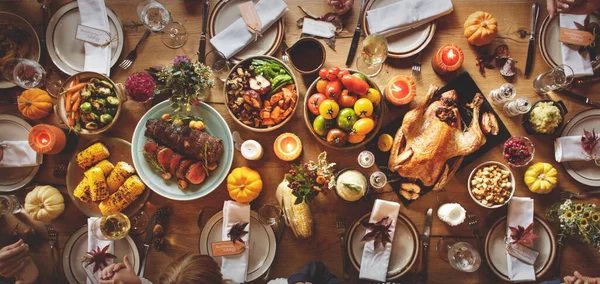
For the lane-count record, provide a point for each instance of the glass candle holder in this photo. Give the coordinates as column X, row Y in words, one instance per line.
column 47, row 139
column 287, row 147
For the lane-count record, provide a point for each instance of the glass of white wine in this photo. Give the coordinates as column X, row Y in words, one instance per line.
column 111, row 227
column 157, row 18
column 373, row 53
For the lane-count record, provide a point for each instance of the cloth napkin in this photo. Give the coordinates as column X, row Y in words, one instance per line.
column 520, row 213
column 374, row 265
column 235, row 267
column 18, row 154
column 235, row 37
column 405, row 15
column 94, row 242
column 580, row 64
column 568, row 149
column 93, row 15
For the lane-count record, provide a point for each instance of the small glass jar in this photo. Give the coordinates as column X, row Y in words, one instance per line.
column 518, row 151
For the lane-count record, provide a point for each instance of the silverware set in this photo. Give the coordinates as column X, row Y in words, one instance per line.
column 133, row 54
column 340, row 224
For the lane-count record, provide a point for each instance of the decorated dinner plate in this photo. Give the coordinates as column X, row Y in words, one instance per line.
column 405, row 246
column 120, row 150
column 495, row 248
column 550, row 46
column 68, row 53
column 404, row 44
column 29, row 45
column 262, row 243
column 584, row 172
column 226, row 12
column 215, row 126
column 13, row 128
column 76, row 248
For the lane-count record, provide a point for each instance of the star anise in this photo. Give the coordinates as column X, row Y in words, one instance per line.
column 380, row 232
column 98, row 257
column 522, row 235
column 589, row 140
column 237, row 232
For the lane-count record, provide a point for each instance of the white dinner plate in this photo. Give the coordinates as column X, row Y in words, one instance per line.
column 76, row 248
column 584, row 172
column 68, row 53
column 226, row 12
column 405, row 246
column 13, row 128
column 33, row 41
column 262, row 243
column 495, row 248
column 405, row 44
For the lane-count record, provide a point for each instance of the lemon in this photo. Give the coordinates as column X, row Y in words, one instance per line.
column 385, row 142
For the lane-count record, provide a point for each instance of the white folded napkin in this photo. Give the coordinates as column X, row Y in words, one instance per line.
column 520, row 213
column 580, row 64
column 94, row 243
column 18, row 154
column 93, row 14
column 236, row 36
column 374, row 265
column 405, row 15
column 568, row 149
column 235, row 267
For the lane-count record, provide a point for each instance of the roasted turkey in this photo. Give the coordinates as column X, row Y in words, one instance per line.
column 431, row 143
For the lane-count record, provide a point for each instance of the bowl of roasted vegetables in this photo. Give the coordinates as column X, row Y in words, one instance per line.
column 89, row 103
column 261, row 93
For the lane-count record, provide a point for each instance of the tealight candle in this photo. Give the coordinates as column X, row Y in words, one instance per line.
column 287, row 147
column 448, row 59
column 251, row 150
column 47, row 139
column 452, row 213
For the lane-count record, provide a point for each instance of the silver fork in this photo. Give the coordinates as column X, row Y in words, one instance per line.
column 284, row 47
column 133, row 54
column 473, row 223
column 341, row 228
column 53, row 239
column 564, row 195
column 416, row 68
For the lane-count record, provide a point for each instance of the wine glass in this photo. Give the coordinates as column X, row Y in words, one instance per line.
column 373, row 53
column 269, row 214
column 464, row 257
column 559, row 77
column 157, row 18
column 9, row 204
column 26, row 73
column 219, row 64
column 111, row 227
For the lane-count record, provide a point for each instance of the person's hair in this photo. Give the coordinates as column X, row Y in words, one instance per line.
column 192, row 268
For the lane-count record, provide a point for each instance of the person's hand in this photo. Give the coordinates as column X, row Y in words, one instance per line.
column 121, row 273
column 13, row 258
column 578, row 7
column 341, row 6
column 577, row 278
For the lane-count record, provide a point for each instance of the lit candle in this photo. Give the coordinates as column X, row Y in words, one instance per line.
column 448, row 59
column 287, row 147
column 251, row 150
column 47, row 139
column 400, row 90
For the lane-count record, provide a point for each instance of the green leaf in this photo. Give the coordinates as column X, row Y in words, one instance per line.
column 353, row 187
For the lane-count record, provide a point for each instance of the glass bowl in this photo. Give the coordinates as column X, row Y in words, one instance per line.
column 522, row 142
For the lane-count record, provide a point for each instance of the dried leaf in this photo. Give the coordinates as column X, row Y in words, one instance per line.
column 586, row 22
column 308, row 13
column 330, row 42
column 300, row 22
column 589, row 140
column 579, row 26
column 98, row 257
column 335, row 19
column 522, row 235
column 380, row 232
column 237, row 232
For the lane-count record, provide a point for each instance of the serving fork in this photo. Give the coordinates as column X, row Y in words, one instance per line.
column 416, row 68
column 564, row 195
column 341, row 229
column 133, row 54
column 53, row 239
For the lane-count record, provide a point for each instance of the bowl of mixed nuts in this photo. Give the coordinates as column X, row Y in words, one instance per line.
column 491, row 184
column 261, row 93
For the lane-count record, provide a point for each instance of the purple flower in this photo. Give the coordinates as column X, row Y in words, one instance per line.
column 180, row 58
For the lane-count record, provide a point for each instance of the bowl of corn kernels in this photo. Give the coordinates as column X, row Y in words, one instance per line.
column 491, row 184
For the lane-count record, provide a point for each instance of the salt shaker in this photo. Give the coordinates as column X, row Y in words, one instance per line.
column 503, row 94
column 517, row 107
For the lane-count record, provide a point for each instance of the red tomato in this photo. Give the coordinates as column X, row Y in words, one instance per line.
column 333, row 73
column 355, row 85
column 323, row 73
column 314, row 102
column 346, row 99
column 334, row 89
column 342, row 73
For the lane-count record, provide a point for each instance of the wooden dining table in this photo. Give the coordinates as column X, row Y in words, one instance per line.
column 182, row 233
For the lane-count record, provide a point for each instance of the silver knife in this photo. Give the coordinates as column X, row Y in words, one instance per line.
column 535, row 12
column 202, row 46
column 425, row 243
column 579, row 98
column 147, row 244
column 356, row 36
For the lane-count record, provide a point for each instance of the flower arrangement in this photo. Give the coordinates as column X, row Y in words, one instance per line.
column 140, row 86
column 309, row 179
column 576, row 220
column 185, row 82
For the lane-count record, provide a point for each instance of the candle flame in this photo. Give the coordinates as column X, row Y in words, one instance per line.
column 451, row 54
column 44, row 141
column 289, row 147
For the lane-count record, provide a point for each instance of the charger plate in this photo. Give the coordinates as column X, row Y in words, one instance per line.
column 584, row 172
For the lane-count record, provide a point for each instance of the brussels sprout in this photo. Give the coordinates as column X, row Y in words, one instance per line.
column 86, row 93
column 106, row 118
column 99, row 103
column 105, row 83
column 89, row 117
column 102, row 91
column 91, row 125
column 112, row 100
column 94, row 80
column 85, row 107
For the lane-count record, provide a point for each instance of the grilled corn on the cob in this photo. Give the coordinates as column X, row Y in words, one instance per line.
column 118, row 176
column 97, row 184
column 82, row 191
column 92, row 154
column 125, row 195
column 106, row 166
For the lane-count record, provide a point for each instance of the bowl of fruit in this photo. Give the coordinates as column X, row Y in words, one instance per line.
column 343, row 109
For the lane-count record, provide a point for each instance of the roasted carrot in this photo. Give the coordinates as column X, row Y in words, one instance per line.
column 76, row 81
column 76, row 104
column 77, row 87
column 68, row 101
column 75, row 96
column 70, row 120
column 76, row 116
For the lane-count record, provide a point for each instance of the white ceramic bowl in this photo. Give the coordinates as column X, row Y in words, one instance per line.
column 511, row 178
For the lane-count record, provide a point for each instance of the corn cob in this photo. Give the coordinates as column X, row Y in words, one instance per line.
column 106, row 166
column 82, row 191
column 97, row 184
column 118, row 176
column 298, row 216
column 125, row 195
column 91, row 155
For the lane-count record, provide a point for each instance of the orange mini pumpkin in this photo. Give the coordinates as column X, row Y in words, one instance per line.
column 480, row 28
column 35, row 103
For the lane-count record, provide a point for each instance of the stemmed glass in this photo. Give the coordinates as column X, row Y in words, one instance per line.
column 269, row 214
column 373, row 53
column 219, row 64
column 157, row 18
column 111, row 227
column 559, row 77
column 462, row 256
column 26, row 73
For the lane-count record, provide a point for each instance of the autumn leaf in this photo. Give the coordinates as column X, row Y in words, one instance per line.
column 522, row 235
column 237, row 232
column 589, row 140
column 380, row 232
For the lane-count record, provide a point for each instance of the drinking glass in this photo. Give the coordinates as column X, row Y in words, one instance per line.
column 503, row 94
column 157, row 18
column 443, row 246
column 559, row 77
column 26, row 73
column 139, row 222
column 373, row 53
column 464, row 257
column 111, row 227
column 366, row 159
column 517, row 107
column 269, row 214
column 9, row 204
column 219, row 64
column 378, row 179
column 54, row 81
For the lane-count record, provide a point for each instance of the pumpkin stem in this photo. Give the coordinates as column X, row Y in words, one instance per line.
column 41, row 206
column 542, row 177
column 484, row 24
column 28, row 103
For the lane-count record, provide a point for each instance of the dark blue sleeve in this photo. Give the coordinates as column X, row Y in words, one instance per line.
column 314, row 272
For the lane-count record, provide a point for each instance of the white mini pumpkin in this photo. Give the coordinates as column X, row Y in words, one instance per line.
column 44, row 203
